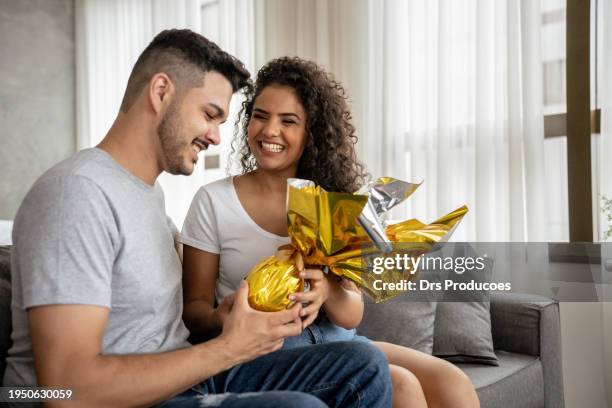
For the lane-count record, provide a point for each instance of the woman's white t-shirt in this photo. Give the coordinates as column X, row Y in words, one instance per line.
column 218, row 223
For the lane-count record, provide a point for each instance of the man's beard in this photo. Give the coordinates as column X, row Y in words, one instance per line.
column 173, row 147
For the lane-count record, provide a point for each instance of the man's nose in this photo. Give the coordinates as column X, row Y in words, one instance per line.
column 213, row 136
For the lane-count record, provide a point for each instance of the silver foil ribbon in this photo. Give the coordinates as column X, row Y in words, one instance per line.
column 383, row 194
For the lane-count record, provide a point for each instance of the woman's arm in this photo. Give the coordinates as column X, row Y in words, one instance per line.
column 200, row 273
column 344, row 306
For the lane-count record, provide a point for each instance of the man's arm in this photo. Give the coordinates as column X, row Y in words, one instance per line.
column 67, row 344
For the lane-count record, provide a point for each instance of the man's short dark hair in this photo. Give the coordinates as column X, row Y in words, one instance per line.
column 184, row 56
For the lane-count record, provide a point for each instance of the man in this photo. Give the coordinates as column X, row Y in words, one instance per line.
column 97, row 283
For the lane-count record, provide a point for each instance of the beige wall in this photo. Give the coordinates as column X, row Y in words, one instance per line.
column 584, row 367
column 37, row 102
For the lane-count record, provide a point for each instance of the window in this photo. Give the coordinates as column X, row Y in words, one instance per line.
column 571, row 200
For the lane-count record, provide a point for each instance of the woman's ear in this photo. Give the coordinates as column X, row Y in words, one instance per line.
column 161, row 92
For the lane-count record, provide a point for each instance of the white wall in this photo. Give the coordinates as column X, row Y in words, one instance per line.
column 37, row 93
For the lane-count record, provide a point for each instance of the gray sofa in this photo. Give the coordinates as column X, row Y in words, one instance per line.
column 527, row 341
column 526, row 338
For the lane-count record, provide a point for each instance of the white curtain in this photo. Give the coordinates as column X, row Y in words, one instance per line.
column 445, row 91
column 110, row 36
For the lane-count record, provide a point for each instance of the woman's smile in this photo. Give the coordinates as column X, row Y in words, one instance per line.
column 269, row 147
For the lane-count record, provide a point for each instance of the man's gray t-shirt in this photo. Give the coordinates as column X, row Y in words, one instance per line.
column 89, row 232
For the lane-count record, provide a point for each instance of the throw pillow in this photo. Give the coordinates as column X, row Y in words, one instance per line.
column 408, row 319
column 462, row 331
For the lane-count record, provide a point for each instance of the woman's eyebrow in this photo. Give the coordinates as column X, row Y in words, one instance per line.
column 285, row 114
column 291, row 114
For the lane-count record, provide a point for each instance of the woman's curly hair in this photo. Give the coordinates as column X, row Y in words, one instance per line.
column 329, row 157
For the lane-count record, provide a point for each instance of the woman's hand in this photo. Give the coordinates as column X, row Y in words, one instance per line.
column 316, row 296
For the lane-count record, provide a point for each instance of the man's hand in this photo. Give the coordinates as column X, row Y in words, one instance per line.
column 224, row 308
column 249, row 333
column 316, row 296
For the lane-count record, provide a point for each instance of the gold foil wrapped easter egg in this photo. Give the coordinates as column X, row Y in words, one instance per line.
column 271, row 282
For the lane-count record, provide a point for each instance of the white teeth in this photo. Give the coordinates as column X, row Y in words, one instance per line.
column 272, row 147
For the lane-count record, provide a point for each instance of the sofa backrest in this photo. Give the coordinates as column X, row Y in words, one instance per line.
column 5, row 306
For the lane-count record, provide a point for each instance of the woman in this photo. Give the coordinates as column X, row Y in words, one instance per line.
column 297, row 124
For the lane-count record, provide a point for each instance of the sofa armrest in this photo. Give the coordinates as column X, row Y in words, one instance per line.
column 529, row 324
column 516, row 321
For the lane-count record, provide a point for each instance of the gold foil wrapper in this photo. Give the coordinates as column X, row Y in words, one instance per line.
column 415, row 231
column 271, row 281
column 326, row 230
column 321, row 223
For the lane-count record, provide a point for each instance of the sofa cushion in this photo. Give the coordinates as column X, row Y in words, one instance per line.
column 401, row 322
column 518, row 381
column 5, row 263
column 5, row 306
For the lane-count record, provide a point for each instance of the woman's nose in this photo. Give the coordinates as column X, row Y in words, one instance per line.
column 272, row 128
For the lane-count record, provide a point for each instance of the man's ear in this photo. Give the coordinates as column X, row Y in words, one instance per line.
column 161, row 92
